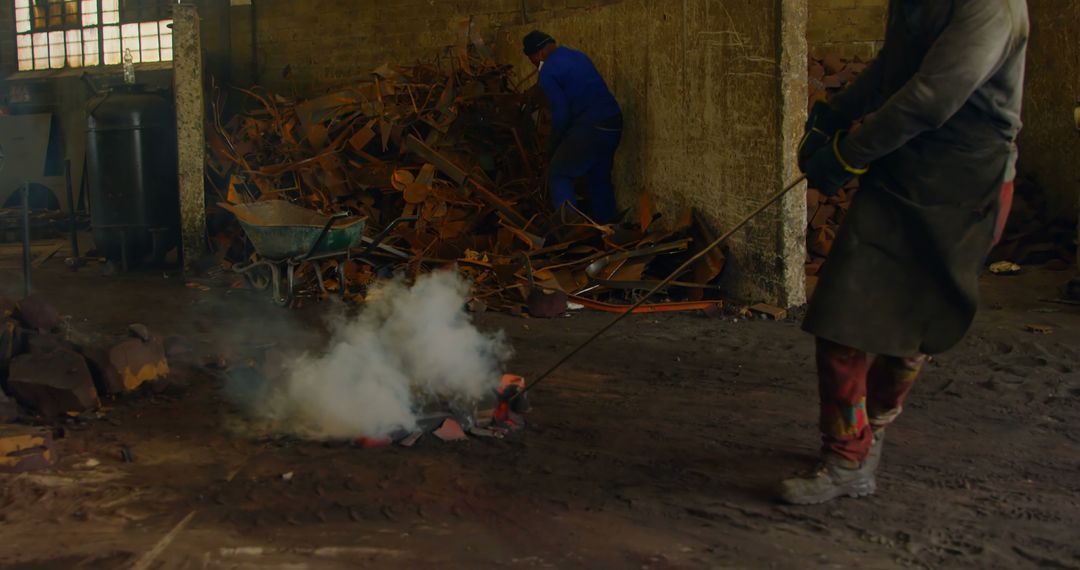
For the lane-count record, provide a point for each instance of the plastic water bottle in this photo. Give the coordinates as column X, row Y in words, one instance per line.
column 129, row 67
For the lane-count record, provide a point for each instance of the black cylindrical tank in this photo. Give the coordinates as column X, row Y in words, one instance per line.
column 132, row 171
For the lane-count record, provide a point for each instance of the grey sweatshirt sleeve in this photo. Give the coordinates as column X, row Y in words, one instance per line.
column 963, row 58
column 862, row 96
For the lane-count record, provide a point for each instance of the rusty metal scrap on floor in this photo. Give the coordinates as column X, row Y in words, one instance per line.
column 455, row 144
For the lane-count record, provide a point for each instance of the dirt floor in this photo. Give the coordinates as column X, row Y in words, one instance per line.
column 657, row 448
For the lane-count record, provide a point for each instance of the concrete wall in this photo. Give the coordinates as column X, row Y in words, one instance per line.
column 847, row 27
column 318, row 44
column 1050, row 143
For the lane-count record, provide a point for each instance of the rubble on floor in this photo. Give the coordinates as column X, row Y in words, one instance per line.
column 455, row 144
column 134, row 362
column 54, row 383
column 496, row 415
column 450, row 430
column 37, row 313
column 25, row 448
column 1005, row 268
column 49, row 371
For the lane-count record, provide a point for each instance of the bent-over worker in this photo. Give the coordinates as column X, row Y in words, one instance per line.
column 940, row 110
column 586, row 124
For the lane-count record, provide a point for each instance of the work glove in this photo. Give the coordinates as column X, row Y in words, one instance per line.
column 827, row 171
column 821, row 126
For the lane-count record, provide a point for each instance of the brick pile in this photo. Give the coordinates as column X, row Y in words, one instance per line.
column 827, row 76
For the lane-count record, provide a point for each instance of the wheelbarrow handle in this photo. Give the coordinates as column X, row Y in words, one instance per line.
column 325, row 230
column 377, row 241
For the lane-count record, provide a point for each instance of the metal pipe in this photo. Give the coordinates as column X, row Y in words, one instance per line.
column 26, row 238
column 72, row 219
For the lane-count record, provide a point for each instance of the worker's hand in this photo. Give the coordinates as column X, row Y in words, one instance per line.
column 827, row 171
column 821, row 126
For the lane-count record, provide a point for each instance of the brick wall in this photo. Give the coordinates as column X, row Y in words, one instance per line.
column 847, row 27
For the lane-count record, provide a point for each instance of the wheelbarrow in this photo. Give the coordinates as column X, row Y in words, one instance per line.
column 286, row 235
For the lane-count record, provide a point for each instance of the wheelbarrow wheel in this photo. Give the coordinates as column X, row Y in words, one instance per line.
column 259, row 277
column 282, row 292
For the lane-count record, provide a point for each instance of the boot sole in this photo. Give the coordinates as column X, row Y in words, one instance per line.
column 854, row 489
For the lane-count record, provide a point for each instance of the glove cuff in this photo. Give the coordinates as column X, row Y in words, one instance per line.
column 840, row 157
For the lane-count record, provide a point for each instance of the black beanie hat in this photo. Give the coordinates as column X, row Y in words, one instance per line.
column 535, row 41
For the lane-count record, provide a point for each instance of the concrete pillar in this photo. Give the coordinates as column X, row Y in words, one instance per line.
column 792, row 47
column 190, row 118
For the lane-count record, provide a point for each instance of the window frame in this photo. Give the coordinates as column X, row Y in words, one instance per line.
column 96, row 33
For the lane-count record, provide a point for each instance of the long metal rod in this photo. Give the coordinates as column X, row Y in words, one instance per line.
column 26, row 238
column 686, row 265
column 72, row 217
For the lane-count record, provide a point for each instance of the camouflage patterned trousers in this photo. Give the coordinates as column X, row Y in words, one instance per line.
column 860, row 393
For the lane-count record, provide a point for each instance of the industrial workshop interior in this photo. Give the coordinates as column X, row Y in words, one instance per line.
column 645, row 284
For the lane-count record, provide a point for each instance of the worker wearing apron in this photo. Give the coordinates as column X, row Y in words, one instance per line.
column 940, row 111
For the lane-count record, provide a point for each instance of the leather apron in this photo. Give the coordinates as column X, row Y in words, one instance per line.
column 902, row 277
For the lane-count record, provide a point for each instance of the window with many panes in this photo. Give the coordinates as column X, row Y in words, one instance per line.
column 53, row 34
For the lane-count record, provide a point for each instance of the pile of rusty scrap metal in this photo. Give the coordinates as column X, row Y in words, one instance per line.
column 827, row 77
column 452, row 147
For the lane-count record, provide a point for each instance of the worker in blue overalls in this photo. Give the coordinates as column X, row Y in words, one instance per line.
column 586, row 125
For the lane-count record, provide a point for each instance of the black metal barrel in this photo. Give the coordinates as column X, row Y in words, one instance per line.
column 132, row 171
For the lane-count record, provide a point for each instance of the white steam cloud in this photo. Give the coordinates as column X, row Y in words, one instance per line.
column 407, row 347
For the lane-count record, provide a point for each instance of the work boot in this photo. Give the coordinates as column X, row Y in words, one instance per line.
column 832, row 478
column 873, row 459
